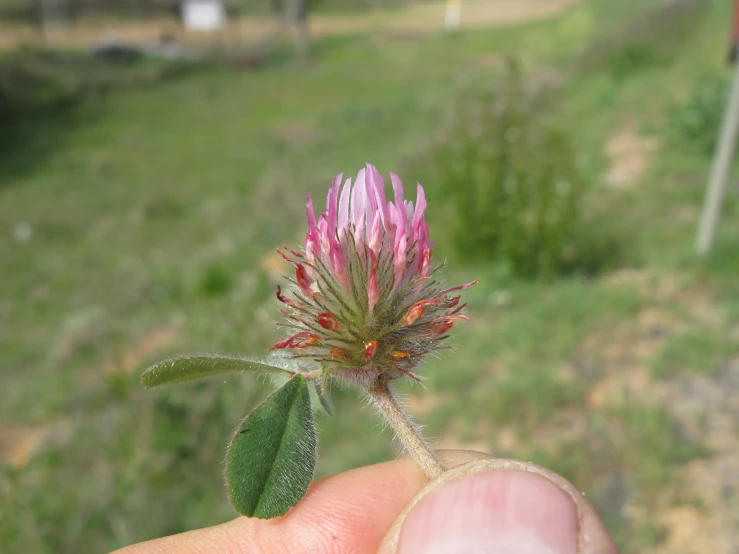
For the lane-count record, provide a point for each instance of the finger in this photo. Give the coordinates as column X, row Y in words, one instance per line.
column 349, row 512
column 502, row 506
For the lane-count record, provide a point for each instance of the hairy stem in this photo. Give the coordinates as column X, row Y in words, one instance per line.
column 406, row 431
column 311, row 375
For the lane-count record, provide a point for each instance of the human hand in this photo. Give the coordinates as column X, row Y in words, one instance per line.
column 480, row 505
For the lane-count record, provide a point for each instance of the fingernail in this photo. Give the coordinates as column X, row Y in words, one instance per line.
column 500, row 511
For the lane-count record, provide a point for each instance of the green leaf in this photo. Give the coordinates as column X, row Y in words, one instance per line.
column 272, row 455
column 193, row 368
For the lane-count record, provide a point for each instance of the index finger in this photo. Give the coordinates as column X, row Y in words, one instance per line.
column 348, row 512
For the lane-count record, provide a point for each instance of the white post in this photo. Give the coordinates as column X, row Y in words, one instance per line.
column 722, row 158
column 453, row 15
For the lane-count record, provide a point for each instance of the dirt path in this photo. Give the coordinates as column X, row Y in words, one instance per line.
column 415, row 18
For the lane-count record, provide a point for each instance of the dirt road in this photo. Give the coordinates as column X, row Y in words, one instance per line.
column 415, row 18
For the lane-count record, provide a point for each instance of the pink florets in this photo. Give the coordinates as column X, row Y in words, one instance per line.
column 366, row 267
column 362, row 212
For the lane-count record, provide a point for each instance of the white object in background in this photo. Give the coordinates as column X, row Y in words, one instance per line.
column 453, row 15
column 203, row 15
column 722, row 158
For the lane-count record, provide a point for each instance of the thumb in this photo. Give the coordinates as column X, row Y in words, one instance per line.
column 500, row 506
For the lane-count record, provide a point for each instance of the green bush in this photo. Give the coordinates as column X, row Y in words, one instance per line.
column 695, row 123
column 511, row 180
column 39, row 82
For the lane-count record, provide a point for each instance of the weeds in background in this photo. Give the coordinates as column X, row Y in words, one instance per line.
column 511, row 178
column 694, row 124
column 37, row 82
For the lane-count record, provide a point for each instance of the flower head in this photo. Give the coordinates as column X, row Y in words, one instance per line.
column 364, row 300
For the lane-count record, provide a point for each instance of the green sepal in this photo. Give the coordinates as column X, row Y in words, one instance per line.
column 321, row 394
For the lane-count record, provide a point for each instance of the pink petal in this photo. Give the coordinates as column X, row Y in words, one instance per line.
column 331, row 201
column 399, row 211
column 312, row 229
column 375, row 236
column 460, row 287
column 310, row 247
column 373, row 288
column 359, row 234
column 426, row 263
column 370, row 207
column 422, row 243
column 359, row 198
column 400, row 260
column 338, row 265
column 408, row 211
column 420, row 209
column 344, row 208
column 323, row 234
column 399, row 202
column 391, row 225
column 377, row 191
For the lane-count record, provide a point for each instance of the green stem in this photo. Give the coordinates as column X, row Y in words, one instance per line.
column 406, row 431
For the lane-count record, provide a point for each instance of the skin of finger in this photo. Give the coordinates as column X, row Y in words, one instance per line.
column 348, row 512
column 593, row 538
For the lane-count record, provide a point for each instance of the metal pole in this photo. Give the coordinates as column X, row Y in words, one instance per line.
column 722, row 159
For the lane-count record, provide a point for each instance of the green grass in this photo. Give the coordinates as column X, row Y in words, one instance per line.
column 701, row 350
column 152, row 213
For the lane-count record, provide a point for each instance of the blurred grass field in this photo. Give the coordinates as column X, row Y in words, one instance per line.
column 143, row 223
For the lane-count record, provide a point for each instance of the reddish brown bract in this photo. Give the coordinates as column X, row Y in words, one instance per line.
column 415, row 312
column 370, row 347
column 339, row 354
column 301, row 276
column 439, row 327
column 328, row 321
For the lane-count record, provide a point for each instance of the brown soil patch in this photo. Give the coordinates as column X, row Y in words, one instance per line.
column 690, row 531
column 619, row 388
column 623, row 355
column 629, row 156
column 18, row 445
column 707, row 410
column 569, row 427
column 155, row 341
column 457, row 432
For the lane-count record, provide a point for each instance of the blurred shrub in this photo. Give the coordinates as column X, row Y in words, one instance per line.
column 37, row 82
column 695, row 123
column 516, row 195
column 215, row 281
column 30, row 82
